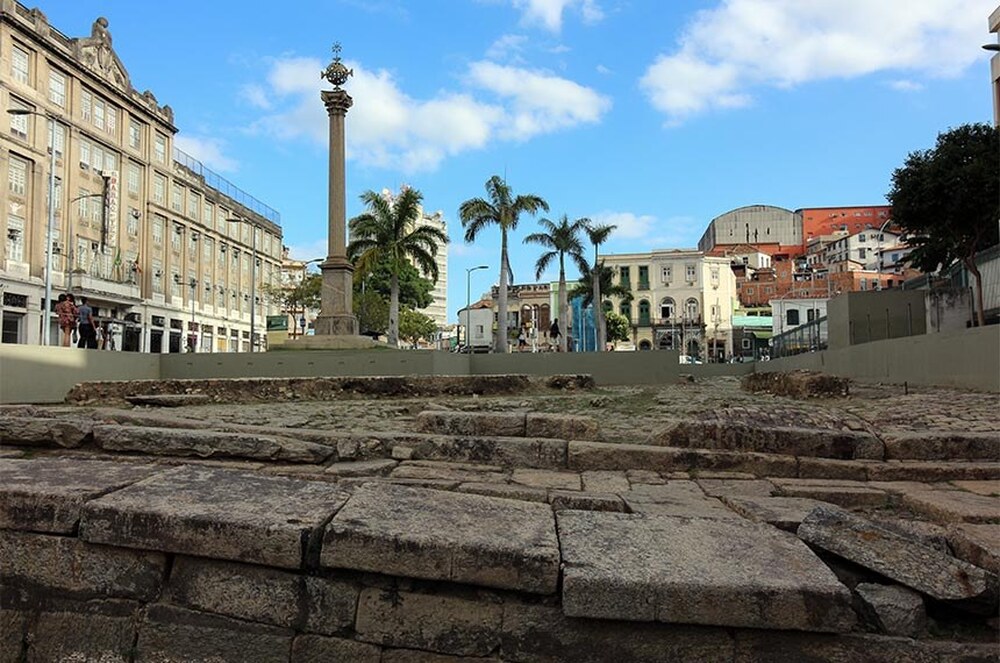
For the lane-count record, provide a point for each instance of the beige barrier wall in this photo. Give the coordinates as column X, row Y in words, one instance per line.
column 969, row 358
column 659, row 367
column 36, row 374
column 311, row 363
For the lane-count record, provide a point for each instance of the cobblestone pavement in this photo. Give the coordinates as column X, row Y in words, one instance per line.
column 632, row 414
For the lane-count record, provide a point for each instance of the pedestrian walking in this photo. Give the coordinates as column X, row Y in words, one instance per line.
column 87, row 327
column 67, row 313
column 554, row 333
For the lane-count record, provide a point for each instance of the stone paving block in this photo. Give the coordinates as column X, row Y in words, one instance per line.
column 934, row 471
column 942, row 445
column 543, row 634
column 977, row 544
column 45, row 432
column 504, row 424
column 102, row 631
column 261, row 594
column 714, row 474
column 440, row 623
column 509, row 491
column 585, row 501
column 894, row 609
column 175, row 635
column 361, row 468
column 605, row 481
column 584, row 455
column 919, row 567
column 416, row 656
column 724, row 487
column 504, row 451
column 168, row 400
column 421, row 533
column 561, row 426
column 919, row 531
column 954, row 505
column 697, row 571
column 46, row 494
column 676, row 498
column 208, row 444
column 784, row 513
column 990, row 488
column 12, row 630
column 320, row 649
column 446, row 471
column 765, row 646
column 646, row 477
column 547, row 479
column 216, row 513
column 844, row 493
column 828, row 468
column 70, row 567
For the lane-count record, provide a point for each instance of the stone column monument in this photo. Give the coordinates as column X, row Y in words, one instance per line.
column 336, row 326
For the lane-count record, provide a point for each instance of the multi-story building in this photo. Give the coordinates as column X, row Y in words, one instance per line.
column 768, row 228
column 168, row 253
column 681, row 300
column 820, row 221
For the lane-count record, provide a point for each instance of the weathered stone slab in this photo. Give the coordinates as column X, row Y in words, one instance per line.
column 71, row 567
column 261, row 594
column 925, row 533
column 12, row 631
column 605, row 481
column 763, row 646
column 504, row 424
column 46, row 494
column 796, row 384
column 175, row 635
column 70, row 631
column 990, row 488
column 740, row 488
column 977, row 544
column 208, row 444
column 585, row 501
column 216, row 513
column 785, row 513
column 543, row 634
column 509, row 491
column 504, row 451
column 676, row 498
column 648, row 478
column 828, row 468
column 417, row 656
column 893, row 609
column 954, row 505
column 844, row 493
column 320, row 649
column 43, row 432
column 440, row 623
column 942, row 445
column 361, row 468
column 919, row 567
column 168, row 400
column 447, row 471
column 547, row 479
column 421, row 533
column 697, row 571
column 584, row 455
column 934, row 471
column 561, row 426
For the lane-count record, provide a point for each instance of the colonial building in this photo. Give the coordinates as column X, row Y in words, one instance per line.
column 681, row 300
column 170, row 254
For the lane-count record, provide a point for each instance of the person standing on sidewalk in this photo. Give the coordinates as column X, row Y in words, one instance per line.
column 87, row 329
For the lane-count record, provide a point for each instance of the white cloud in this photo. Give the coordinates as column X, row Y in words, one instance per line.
column 645, row 232
column 389, row 129
column 507, row 47
column 604, row 71
column 906, row 86
column 549, row 13
column 209, row 151
column 310, row 250
column 256, row 96
column 629, row 225
column 727, row 52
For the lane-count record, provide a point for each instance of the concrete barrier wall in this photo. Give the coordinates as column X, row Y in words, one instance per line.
column 607, row 368
column 717, row 370
column 36, row 374
column 969, row 359
column 311, row 363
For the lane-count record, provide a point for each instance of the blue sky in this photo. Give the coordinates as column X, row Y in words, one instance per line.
column 655, row 115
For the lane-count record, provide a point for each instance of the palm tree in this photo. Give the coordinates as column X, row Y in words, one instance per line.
column 388, row 233
column 502, row 209
column 562, row 239
column 606, row 286
column 598, row 235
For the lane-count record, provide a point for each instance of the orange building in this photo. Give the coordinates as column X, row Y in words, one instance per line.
column 817, row 221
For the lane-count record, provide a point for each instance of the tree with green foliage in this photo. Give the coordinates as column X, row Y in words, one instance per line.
column 388, row 233
column 502, row 210
column 606, row 284
column 414, row 289
column 372, row 311
column 618, row 326
column 946, row 201
column 562, row 240
column 414, row 326
column 598, row 234
column 295, row 300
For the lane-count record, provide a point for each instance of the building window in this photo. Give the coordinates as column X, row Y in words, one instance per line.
column 792, row 316
column 862, row 253
column 194, row 205
column 810, row 314
column 18, row 123
column 625, row 309
column 57, row 88
column 19, row 64
column 667, row 308
column 691, row 310
column 689, row 273
column 206, row 214
column 158, row 222
column 193, row 247
column 177, row 198
column 160, row 149
column 159, row 188
column 644, row 313
column 175, row 239
column 715, row 275
column 132, row 223
column 175, row 282
column 625, row 277
column 17, row 175
column 58, row 133
column 746, row 344
column 133, row 176
column 861, row 238
column 15, row 238
column 749, row 291
column 666, row 273
column 643, row 277
column 135, row 135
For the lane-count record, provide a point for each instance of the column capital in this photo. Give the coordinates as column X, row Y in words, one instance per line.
column 336, row 101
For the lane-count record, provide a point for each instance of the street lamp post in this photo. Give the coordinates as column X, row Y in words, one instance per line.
column 253, row 273
column 468, row 296
column 46, row 321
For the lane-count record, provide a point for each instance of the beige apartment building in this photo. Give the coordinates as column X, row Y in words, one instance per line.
column 164, row 248
column 681, row 300
column 994, row 24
